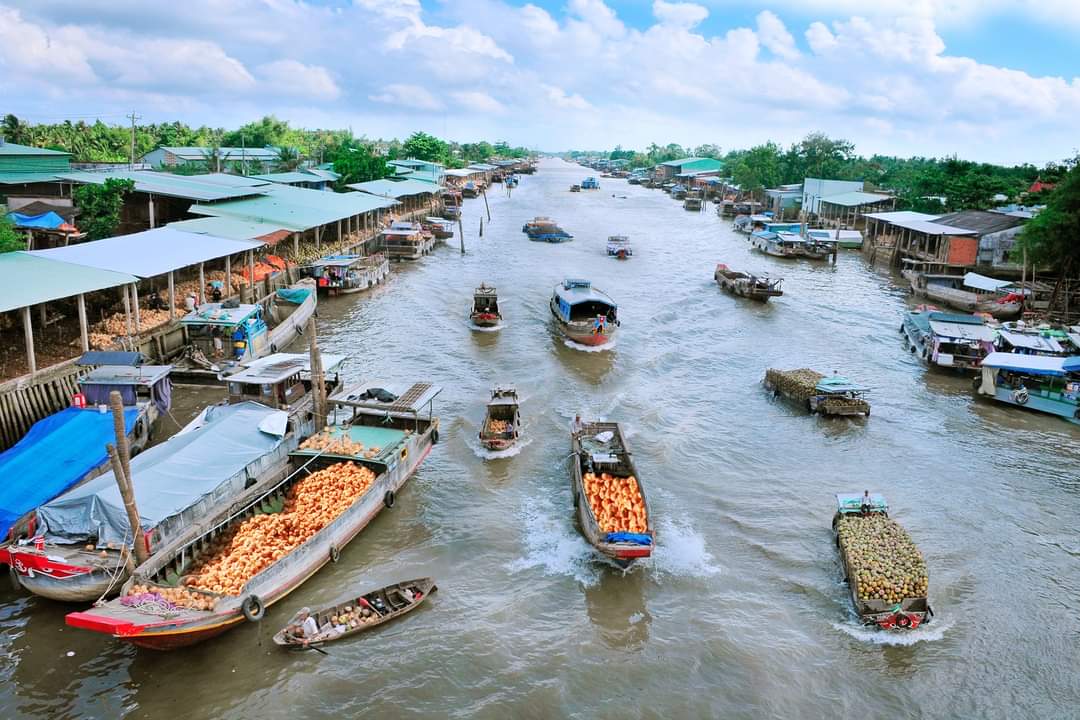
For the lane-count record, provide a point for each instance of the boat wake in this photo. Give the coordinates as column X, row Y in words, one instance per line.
column 493, row 328
column 680, row 551
column 927, row 633
column 554, row 547
column 610, row 345
column 485, row 454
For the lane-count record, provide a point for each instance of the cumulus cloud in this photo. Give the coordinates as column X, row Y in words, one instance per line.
column 560, row 98
column 478, row 101
column 410, row 96
column 296, row 78
column 680, row 14
column 775, row 36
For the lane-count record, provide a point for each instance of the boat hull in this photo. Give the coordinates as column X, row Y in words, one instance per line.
column 1037, row 402
column 1000, row 311
column 63, row 582
column 485, row 319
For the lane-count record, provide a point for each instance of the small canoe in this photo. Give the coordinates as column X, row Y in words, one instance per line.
column 361, row 613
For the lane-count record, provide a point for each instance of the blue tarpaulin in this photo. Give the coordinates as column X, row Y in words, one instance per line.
column 49, row 220
column 57, row 453
column 636, row 538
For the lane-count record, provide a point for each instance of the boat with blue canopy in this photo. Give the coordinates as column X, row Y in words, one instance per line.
column 1037, row 382
column 584, row 314
column 590, row 183
column 947, row 340
column 544, row 229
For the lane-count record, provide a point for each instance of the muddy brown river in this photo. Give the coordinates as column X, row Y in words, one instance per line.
column 742, row 611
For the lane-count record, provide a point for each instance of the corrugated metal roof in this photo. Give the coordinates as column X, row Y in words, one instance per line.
column 297, row 176
column 931, row 228
column 463, row 172
column 9, row 148
column 228, row 153
column 854, row 198
column 902, row 216
column 149, row 253
column 690, row 160
column 233, row 228
column 484, row 166
column 296, row 208
column 20, row 178
column 186, row 187
column 395, row 188
column 29, row 280
column 981, row 221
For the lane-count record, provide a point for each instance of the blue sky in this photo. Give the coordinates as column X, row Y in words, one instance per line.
column 985, row 79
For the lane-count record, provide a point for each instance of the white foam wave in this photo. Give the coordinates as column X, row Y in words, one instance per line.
column 609, row 345
column 553, row 546
column 932, row 632
column 481, row 452
column 493, row 328
column 680, row 551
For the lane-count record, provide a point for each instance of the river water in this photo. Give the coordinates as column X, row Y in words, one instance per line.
column 742, row 611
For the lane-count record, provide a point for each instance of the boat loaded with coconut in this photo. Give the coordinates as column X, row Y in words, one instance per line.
column 883, row 568
column 835, row 395
column 755, row 287
column 237, row 562
column 1037, row 382
column 439, row 228
column 67, row 448
column 584, row 314
column 947, row 340
column 502, row 420
column 81, row 543
column 406, row 241
column 346, row 274
column 618, row 246
column 970, row 292
column 609, row 498
column 544, row 229
column 358, row 614
column 223, row 335
column 485, row 308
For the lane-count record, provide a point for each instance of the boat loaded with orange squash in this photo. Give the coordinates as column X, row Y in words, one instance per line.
column 609, row 498
column 240, row 561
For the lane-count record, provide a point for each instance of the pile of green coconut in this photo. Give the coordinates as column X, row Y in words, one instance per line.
column 882, row 561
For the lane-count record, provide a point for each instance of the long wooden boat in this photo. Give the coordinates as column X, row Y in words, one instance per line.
column 755, row 287
column 584, row 314
column 485, row 308
column 609, row 497
column 502, row 420
column 440, row 228
column 947, row 340
column 1036, row 382
column 406, row 241
column 386, row 438
column 360, row 613
column 618, row 246
column 82, row 542
column 888, row 585
column 66, row 449
column 955, row 292
column 544, row 229
column 244, row 332
column 347, row 274
column 835, row 395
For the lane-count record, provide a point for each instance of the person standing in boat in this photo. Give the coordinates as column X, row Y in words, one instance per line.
column 576, row 426
column 598, row 327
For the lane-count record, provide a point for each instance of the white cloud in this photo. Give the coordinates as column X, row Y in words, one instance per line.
column 478, row 101
column 296, row 78
column 559, row 98
column 819, row 38
column 25, row 47
column 775, row 36
column 679, row 14
column 412, row 96
column 598, row 17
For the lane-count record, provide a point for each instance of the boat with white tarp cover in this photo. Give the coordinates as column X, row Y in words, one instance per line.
column 1036, row 382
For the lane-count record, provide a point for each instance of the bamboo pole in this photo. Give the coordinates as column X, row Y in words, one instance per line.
column 28, row 334
column 318, row 379
column 120, row 455
column 83, row 329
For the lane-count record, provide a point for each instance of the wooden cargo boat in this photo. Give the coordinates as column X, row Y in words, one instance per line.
column 1037, row 382
column 872, row 548
column 971, row 292
column 678, row 192
column 750, row 224
column 242, row 332
column 692, row 203
column 590, row 183
column 406, row 241
column 439, row 228
column 470, row 190
column 584, row 314
column 947, row 340
column 81, row 548
column 377, row 449
column 502, row 420
column 347, row 274
column 544, row 229
column 575, row 188
column 66, row 449
column 283, row 381
column 618, row 246
column 755, row 287
column 609, row 498
column 485, row 308
column 834, row 395
column 359, row 614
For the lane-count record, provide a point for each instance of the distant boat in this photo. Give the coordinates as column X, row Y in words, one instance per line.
column 755, row 287
column 970, row 292
column 590, row 183
column 584, row 314
column 485, row 308
column 618, row 246
column 544, row 229
column 947, row 340
column 502, row 420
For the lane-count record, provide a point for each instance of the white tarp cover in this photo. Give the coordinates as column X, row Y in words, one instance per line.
column 1033, row 364
column 981, row 282
column 215, row 461
column 149, row 253
column 962, row 331
column 1031, row 342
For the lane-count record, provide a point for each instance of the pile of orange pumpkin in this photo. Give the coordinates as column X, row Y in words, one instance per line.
column 256, row 543
column 616, row 503
column 177, row 596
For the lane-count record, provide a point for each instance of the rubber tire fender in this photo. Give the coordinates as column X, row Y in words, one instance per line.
column 335, row 553
column 1021, row 396
column 253, row 608
column 435, row 436
column 273, row 347
column 388, row 499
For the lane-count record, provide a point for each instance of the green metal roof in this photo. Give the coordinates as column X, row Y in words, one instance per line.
column 229, row 227
column 29, row 280
column 695, row 163
column 396, row 188
column 186, row 187
column 8, row 148
column 20, row 178
column 295, row 208
column 290, row 177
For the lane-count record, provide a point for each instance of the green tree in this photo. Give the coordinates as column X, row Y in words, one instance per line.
column 358, row 162
column 10, row 238
column 708, row 150
column 758, row 168
column 100, row 206
column 1052, row 237
column 288, row 159
column 14, row 130
column 819, row 156
column 422, row 146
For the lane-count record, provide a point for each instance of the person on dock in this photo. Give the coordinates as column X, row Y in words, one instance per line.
column 576, row 426
column 156, row 302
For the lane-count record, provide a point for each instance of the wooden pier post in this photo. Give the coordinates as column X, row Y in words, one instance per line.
column 461, row 233
column 251, row 275
column 135, row 303
column 127, row 308
column 28, row 334
column 202, row 283
column 120, row 456
column 318, row 378
column 172, row 295
column 83, row 329
column 486, row 206
column 481, row 227
column 228, row 275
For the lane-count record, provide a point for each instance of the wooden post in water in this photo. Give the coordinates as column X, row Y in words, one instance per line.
column 120, row 456
column 486, row 206
column 318, row 378
column 481, row 227
column 461, row 233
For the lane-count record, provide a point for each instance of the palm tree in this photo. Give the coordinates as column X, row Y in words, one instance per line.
column 288, row 159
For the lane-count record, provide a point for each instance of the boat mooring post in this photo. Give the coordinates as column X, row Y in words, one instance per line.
column 481, row 227
column 486, row 206
column 120, row 457
column 461, row 233
column 318, row 378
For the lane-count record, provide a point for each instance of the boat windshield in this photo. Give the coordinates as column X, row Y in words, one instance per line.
column 590, row 309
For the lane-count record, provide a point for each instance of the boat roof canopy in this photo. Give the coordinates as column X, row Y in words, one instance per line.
column 964, row 327
column 852, row 502
column 981, row 282
column 1029, row 364
column 216, row 314
column 575, row 292
column 141, row 375
column 279, row 366
column 410, row 398
column 838, row 384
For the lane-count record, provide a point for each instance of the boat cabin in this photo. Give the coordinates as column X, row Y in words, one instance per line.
column 1046, row 384
column 590, row 183
column 137, row 384
column 578, row 301
column 281, row 380
column 752, row 223
column 406, row 241
column 338, row 274
column 619, row 246
column 442, row 229
column 486, row 300
column 231, row 330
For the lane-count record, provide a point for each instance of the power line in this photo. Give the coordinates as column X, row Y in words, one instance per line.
column 133, row 117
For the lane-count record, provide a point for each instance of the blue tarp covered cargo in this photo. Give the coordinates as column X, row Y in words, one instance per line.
column 56, row 454
column 48, row 221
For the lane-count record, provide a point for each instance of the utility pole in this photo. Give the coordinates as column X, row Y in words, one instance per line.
column 243, row 152
column 133, row 117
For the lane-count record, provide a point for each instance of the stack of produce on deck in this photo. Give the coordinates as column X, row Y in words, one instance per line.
column 353, row 617
column 336, row 444
column 310, row 505
column 616, row 502
column 167, row 597
column 498, row 426
column 882, row 561
column 837, row 403
column 798, row 384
